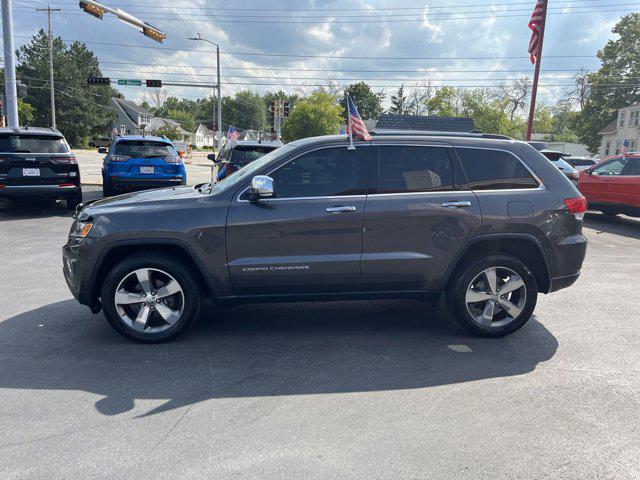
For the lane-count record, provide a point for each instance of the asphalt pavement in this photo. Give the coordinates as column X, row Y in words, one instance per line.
column 353, row 390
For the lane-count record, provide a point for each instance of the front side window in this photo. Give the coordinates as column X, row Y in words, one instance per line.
column 321, row 173
column 414, row 169
column 494, row 170
column 32, row 144
column 613, row 167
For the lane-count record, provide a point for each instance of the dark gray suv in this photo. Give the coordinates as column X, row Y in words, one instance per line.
column 486, row 219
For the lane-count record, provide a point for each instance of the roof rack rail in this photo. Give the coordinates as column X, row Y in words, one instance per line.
column 435, row 133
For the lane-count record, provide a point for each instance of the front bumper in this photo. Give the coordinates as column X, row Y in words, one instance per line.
column 76, row 268
column 39, row 190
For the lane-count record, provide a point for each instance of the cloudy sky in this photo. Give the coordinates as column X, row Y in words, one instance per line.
column 295, row 45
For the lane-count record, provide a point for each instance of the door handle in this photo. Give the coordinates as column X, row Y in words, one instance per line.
column 341, row 209
column 457, row 204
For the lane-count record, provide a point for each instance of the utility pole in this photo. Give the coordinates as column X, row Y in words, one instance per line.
column 9, row 65
column 49, row 10
column 277, row 111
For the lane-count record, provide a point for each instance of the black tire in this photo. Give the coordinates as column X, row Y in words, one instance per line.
column 459, row 285
column 107, row 189
column 609, row 212
column 73, row 202
column 189, row 300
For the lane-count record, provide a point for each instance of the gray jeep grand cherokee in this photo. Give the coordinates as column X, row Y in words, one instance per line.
column 486, row 219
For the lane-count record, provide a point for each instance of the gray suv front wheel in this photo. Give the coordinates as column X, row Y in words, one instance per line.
column 150, row 298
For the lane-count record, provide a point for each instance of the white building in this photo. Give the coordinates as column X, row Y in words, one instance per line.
column 625, row 127
column 203, row 137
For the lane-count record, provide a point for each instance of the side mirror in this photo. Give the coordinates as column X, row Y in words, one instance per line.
column 102, row 150
column 212, row 157
column 261, row 187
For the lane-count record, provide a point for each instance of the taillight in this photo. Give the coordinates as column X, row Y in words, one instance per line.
column 173, row 159
column 577, row 206
column 64, row 160
column 118, row 158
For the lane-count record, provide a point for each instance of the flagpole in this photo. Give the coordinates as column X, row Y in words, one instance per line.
column 536, row 75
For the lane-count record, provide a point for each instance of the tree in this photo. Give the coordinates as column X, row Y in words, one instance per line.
column 312, row 116
column 516, row 94
column 368, row 103
column 244, row 111
column 581, row 90
column 171, row 133
column 26, row 113
column 445, row 102
column 615, row 84
column 81, row 111
column 399, row 102
column 418, row 98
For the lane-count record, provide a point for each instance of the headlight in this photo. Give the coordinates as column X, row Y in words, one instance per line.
column 80, row 229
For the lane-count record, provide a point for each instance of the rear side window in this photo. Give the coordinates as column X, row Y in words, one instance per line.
column 494, row 170
column 413, row 169
column 32, row 144
column 632, row 168
column 142, row 149
column 242, row 156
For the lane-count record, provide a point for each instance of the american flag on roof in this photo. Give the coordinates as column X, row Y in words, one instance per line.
column 355, row 125
column 624, row 149
column 535, row 24
column 233, row 134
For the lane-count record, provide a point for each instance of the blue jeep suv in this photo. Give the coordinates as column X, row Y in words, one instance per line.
column 135, row 162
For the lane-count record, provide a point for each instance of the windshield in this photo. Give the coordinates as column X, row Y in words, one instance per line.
column 242, row 156
column 580, row 162
column 32, row 144
column 241, row 175
column 144, row 149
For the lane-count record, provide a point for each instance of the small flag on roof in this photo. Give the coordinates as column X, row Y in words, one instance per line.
column 624, row 149
column 355, row 125
column 233, row 134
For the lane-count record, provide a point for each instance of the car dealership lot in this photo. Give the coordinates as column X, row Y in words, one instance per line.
column 385, row 389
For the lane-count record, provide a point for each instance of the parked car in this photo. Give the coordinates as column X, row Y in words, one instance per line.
column 486, row 219
column 558, row 159
column 96, row 142
column 37, row 162
column 581, row 163
column 613, row 186
column 135, row 162
column 238, row 154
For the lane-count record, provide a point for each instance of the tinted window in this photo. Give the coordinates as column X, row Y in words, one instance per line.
column 494, row 170
column 613, row 167
column 326, row 172
column 580, row 162
column 32, row 144
column 242, row 156
column 632, row 167
column 140, row 149
column 404, row 169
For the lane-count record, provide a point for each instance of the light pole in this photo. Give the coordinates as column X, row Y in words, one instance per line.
column 9, row 65
column 219, row 109
column 49, row 11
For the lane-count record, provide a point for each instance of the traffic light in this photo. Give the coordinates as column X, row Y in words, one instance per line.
column 154, row 83
column 92, row 9
column 286, row 109
column 154, row 34
column 98, row 81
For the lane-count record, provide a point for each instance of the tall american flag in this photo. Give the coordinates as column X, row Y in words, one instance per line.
column 233, row 134
column 535, row 24
column 355, row 125
column 624, row 149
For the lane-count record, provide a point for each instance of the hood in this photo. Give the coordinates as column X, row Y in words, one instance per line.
column 145, row 198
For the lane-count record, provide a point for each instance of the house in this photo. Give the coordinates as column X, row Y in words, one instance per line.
column 625, row 127
column 159, row 123
column 203, row 137
column 131, row 117
column 429, row 123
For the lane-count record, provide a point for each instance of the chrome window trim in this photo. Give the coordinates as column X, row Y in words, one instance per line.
column 533, row 174
column 322, row 147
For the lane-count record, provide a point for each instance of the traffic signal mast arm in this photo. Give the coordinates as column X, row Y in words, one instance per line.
column 98, row 10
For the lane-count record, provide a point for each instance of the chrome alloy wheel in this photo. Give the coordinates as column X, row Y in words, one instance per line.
column 149, row 300
column 496, row 297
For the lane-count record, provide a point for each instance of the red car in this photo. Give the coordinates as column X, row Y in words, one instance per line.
column 613, row 185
